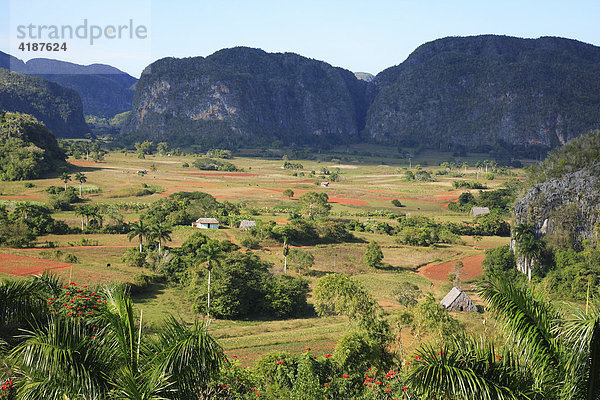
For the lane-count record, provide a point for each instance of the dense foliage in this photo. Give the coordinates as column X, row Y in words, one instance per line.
column 27, row 148
column 57, row 107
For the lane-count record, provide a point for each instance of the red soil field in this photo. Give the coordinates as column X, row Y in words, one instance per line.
column 472, row 268
column 220, row 174
column 294, row 182
column 20, row 265
column 21, row 197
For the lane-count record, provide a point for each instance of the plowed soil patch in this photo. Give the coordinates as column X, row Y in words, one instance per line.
column 21, row 197
column 294, row 182
column 241, row 174
column 20, row 265
column 471, row 268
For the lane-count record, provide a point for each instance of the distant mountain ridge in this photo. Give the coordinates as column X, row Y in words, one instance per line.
column 104, row 90
column 476, row 93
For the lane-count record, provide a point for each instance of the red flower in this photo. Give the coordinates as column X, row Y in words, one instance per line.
column 327, row 355
column 405, row 388
column 417, row 357
column 346, row 376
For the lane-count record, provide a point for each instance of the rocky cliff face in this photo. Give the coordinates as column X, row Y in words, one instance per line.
column 59, row 108
column 564, row 206
column 104, row 90
column 247, row 96
column 483, row 91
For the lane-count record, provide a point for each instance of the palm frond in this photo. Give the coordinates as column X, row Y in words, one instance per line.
column 468, row 369
column 529, row 321
column 189, row 355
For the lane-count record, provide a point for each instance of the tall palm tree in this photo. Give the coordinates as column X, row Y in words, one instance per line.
column 81, row 178
column 65, row 177
column 139, row 230
column 160, row 232
column 527, row 246
column 546, row 356
column 210, row 254
column 286, row 251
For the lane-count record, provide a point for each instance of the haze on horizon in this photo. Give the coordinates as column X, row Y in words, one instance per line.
column 356, row 35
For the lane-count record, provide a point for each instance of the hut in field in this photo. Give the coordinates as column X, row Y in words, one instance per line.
column 480, row 211
column 247, row 224
column 458, row 300
column 324, row 184
column 206, row 223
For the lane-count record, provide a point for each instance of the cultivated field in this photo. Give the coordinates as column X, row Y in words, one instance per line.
column 365, row 185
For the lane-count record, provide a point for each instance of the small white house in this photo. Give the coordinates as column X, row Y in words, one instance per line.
column 247, row 224
column 206, row 223
column 324, row 184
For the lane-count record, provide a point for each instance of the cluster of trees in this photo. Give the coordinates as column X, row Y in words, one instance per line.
column 87, row 149
column 21, row 223
column 210, row 164
column 27, row 148
column 302, row 232
column 499, row 200
column 425, row 231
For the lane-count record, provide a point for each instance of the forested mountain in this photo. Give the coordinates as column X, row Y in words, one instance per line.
column 480, row 92
column 243, row 95
column 104, row 90
column 485, row 91
column 57, row 107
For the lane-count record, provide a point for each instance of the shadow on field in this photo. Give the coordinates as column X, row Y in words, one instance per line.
column 151, row 292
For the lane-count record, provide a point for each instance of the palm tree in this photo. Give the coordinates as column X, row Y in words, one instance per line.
column 81, row 178
column 161, row 232
column 110, row 356
column 210, row 254
column 65, row 177
column 546, row 356
column 527, row 246
column 286, row 251
column 139, row 230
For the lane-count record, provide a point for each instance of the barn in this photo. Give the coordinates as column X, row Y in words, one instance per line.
column 247, row 224
column 458, row 300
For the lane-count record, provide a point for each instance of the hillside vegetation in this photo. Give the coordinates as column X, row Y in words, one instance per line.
column 27, row 148
column 58, row 108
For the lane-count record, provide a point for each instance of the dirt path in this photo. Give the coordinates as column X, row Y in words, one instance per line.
column 471, row 266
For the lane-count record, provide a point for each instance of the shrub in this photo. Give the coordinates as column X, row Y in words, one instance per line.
column 373, row 255
column 286, row 296
column 250, row 243
column 28, row 185
column 301, row 259
column 134, row 258
column 396, row 203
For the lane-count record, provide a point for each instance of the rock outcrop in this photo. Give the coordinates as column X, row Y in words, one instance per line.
column 247, row 96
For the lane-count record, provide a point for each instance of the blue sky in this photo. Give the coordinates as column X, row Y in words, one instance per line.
column 358, row 35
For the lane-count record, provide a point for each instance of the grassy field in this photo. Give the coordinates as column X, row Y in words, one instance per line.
column 366, row 185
